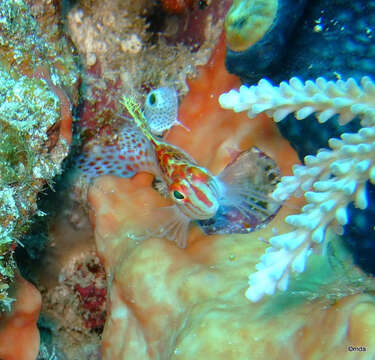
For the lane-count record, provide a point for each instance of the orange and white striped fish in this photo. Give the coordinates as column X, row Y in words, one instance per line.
column 236, row 200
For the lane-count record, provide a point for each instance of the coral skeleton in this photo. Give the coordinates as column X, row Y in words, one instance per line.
column 329, row 181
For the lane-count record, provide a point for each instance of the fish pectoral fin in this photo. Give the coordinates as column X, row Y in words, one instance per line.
column 248, row 182
column 175, row 123
column 172, row 224
column 179, row 123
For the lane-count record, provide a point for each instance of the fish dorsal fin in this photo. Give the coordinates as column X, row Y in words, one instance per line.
column 179, row 154
column 134, row 110
column 136, row 113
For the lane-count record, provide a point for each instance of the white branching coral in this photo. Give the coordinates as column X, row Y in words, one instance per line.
column 329, row 181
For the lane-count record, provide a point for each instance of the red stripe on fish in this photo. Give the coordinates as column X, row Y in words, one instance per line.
column 201, row 195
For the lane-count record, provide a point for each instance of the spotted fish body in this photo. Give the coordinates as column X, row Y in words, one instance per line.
column 130, row 152
column 161, row 107
column 198, row 194
column 127, row 155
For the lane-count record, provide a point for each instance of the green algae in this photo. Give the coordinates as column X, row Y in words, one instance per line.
column 29, row 109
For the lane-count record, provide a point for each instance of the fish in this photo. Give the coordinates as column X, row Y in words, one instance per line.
column 124, row 156
column 160, row 110
column 241, row 192
column 125, row 153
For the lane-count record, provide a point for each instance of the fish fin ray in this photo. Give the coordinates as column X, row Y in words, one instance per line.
column 179, row 123
column 172, row 224
column 248, row 181
column 136, row 113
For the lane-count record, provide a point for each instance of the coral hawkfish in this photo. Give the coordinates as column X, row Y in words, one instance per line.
column 234, row 201
column 127, row 152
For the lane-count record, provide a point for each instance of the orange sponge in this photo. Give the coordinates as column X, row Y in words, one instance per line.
column 19, row 335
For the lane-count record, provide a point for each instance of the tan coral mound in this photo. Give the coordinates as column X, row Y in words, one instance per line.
column 172, row 303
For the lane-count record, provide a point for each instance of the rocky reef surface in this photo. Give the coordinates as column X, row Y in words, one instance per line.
column 35, row 123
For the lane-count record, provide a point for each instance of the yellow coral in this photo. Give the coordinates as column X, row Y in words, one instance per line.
column 247, row 21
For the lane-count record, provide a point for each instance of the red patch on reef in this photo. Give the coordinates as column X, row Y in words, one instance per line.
column 91, row 290
column 176, row 6
column 195, row 17
column 98, row 108
column 93, row 299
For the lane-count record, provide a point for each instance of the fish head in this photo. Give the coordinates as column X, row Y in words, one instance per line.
column 161, row 107
column 161, row 110
column 197, row 199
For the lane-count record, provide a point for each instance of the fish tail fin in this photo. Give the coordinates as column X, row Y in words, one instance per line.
column 247, row 183
column 136, row 113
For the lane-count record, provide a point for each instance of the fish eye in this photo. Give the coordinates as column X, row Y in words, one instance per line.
column 152, row 99
column 202, row 4
column 178, row 196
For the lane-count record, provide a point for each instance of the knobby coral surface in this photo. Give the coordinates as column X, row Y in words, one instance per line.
column 170, row 303
column 131, row 41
